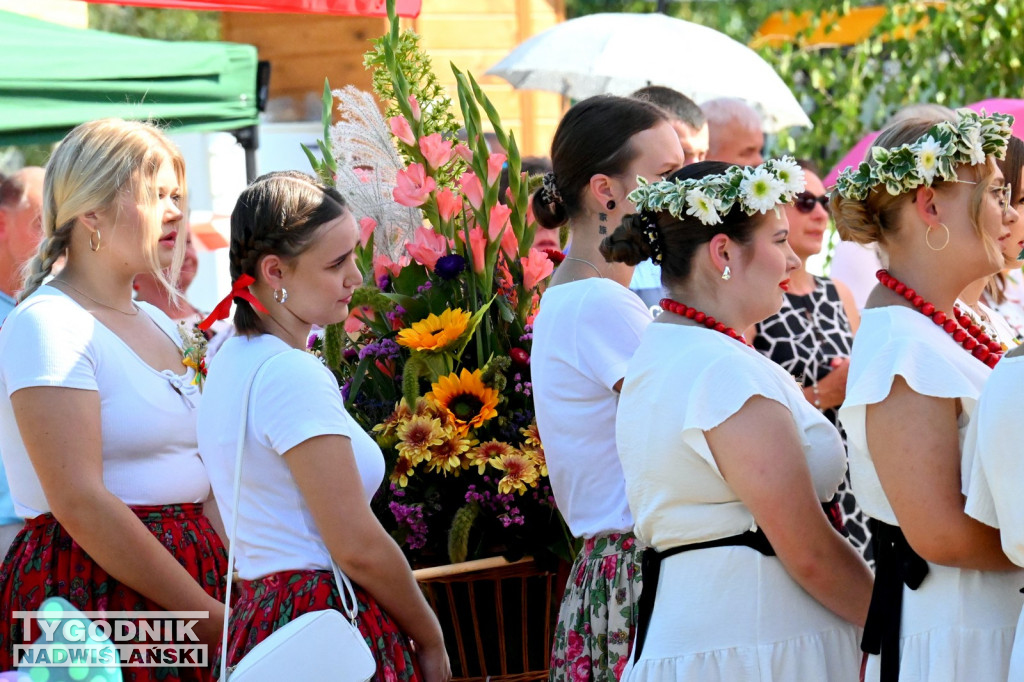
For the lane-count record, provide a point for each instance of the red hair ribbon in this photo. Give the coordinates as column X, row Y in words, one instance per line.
column 239, row 289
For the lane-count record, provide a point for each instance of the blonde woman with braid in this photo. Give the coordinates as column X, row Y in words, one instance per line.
column 945, row 600
column 97, row 409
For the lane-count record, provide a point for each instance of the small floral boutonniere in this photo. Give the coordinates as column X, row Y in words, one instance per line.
column 193, row 348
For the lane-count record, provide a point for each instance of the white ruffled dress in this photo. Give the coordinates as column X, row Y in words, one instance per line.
column 724, row 614
column 959, row 625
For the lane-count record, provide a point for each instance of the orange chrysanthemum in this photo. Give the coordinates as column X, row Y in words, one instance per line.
column 436, row 332
column 465, row 399
column 481, row 455
column 520, row 472
column 531, row 435
column 394, row 420
column 539, row 461
column 417, row 436
column 447, row 457
column 403, row 470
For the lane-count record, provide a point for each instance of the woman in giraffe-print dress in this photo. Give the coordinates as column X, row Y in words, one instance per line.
column 811, row 336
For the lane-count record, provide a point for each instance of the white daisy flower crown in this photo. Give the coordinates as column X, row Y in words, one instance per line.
column 754, row 189
column 969, row 139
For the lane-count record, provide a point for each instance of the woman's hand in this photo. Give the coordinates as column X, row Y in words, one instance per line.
column 210, row 630
column 433, row 661
column 831, row 389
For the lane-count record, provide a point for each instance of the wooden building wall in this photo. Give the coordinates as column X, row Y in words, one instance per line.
column 474, row 34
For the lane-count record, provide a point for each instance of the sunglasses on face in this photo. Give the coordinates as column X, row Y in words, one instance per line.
column 805, row 201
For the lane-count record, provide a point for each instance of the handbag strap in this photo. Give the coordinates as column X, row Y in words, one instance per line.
column 349, row 603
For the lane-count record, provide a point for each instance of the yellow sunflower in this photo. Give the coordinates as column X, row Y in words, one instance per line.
column 435, row 333
column 481, row 455
column 417, row 436
column 464, row 398
column 520, row 472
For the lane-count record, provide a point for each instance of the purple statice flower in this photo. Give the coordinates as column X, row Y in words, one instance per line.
column 410, row 518
column 350, row 354
column 311, row 341
column 383, row 282
column 346, row 389
column 384, row 348
column 512, row 517
column 395, row 315
column 424, row 288
column 449, row 267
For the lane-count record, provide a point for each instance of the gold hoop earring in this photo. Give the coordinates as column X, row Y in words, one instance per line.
column 281, row 295
column 96, row 246
column 928, row 234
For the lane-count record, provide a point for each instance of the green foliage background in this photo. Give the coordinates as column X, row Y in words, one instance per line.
column 970, row 50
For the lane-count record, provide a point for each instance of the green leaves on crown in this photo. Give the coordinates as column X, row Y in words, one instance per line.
column 936, row 154
column 755, row 189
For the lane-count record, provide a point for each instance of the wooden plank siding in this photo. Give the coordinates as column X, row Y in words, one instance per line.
column 472, row 34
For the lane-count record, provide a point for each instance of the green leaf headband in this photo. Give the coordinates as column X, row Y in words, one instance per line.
column 936, row 154
column 755, row 189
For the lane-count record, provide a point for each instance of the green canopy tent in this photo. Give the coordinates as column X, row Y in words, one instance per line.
column 54, row 77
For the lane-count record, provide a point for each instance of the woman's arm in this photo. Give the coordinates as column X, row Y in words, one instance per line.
column 770, row 476
column 325, row 471
column 61, row 431
column 915, row 447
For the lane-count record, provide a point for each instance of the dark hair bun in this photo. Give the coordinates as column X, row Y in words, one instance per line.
column 627, row 244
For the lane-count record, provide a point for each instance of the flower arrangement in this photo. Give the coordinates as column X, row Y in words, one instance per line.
column 435, row 358
column 193, row 351
column 969, row 139
column 753, row 189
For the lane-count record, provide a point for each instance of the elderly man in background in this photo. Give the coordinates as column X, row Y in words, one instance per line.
column 692, row 128
column 21, row 201
column 735, row 131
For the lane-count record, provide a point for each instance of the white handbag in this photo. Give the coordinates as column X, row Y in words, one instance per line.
column 322, row 646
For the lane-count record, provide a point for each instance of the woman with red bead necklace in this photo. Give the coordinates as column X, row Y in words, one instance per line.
column 945, row 601
column 744, row 578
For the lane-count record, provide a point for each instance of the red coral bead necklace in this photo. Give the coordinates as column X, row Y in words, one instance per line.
column 702, row 318
column 959, row 326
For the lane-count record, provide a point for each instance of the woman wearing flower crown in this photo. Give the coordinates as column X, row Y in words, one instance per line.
column 97, row 411
column 309, row 470
column 945, row 601
column 744, row 578
column 587, row 329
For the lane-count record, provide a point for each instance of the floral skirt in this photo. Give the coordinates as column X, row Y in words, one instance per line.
column 270, row 602
column 598, row 612
column 45, row 562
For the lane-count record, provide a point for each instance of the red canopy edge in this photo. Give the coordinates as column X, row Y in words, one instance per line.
column 362, row 8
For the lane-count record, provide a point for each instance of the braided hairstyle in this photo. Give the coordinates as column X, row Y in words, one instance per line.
column 592, row 138
column 677, row 238
column 94, row 163
column 279, row 213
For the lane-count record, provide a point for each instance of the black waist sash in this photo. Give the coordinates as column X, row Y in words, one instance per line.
column 651, row 571
column 896, row 565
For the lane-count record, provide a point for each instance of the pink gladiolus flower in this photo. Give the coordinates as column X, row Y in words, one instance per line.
column 415, row 106
column 412, row 186
column 357, row 317
column 382, row 265
column 400, row 128
column 472, row 188
column 464, row 152
column 495, row 162
column 509, row 243
column 448, row 204
column 499, row 218
column 366, row 227
column 436, row 151
column 427, row 247
column 536, row 268
column 477, row 245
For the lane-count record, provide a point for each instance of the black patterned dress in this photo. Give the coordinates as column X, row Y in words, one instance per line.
column 804, row 337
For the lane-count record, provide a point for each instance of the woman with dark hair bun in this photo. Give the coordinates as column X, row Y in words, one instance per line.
column 588, row 327
column 727, row 466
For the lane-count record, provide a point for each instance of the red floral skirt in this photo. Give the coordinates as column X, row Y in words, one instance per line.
column 270, row 602
column 45, row 562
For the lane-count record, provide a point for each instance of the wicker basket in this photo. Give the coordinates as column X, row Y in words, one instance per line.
column 498, row 617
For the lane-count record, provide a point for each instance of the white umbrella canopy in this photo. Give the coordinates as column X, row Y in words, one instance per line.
column 618, row 53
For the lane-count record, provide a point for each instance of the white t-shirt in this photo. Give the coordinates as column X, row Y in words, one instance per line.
column 147, row 416
column 891, row 341
column 583, row 337
column 682, row 382
column 294, row 398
